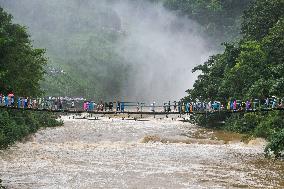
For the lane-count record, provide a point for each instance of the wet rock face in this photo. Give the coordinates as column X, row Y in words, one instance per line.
column 115, row 153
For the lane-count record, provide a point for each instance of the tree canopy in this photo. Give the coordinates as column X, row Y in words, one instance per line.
column 252, row 67
column 21, row 65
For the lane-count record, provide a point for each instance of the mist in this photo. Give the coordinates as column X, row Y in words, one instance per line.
column 157, row 48
column 162, row 47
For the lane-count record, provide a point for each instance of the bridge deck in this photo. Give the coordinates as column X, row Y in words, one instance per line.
column 73, row 111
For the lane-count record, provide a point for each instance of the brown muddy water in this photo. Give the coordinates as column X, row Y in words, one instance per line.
column 115, row 153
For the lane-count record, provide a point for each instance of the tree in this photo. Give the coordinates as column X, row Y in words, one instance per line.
column 254, row 66
column 261, row 16
column 21, row 66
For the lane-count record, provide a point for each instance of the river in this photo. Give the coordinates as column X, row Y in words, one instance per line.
column 151, row 153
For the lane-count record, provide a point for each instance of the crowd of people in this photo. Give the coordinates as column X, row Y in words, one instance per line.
column 232, row 105
column 30, row 103
column 65, row 103
column 93, row 106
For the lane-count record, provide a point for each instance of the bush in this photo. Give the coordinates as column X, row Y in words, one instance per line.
column 242, row 123
column 264, row 130
column 276, row 145
column 211, row 119
column 270, row 123
column 17, row 124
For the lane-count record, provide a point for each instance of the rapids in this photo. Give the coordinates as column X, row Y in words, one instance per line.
column 115, row 153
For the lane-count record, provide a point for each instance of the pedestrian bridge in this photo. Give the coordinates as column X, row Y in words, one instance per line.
column 129, row 112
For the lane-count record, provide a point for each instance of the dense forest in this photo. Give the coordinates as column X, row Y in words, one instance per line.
column 21, row 70
column 250, row 68
column 18, row 58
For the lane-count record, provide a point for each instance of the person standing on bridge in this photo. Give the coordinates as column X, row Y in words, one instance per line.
column 26, row 103
column 40, row 104
column 12, row 96
column 191, row 108
column 183, row 107
column 19, row 102
column 34, row 104
column 267, row 102
column 247, row 105
column 106, row 105
column 187, row 107
column 235, row 105
column 85, row 106
column 229, row 105
column 72, row 104
column 110, row 106
column 179, row 106
column 122, row 106
column 165, row 107
column 169, row 107
column 137, row 107
column 60, row 104
column 274, row 102
column 175, row 106
column 56, row 104
column 30, row 102
column 6, row 101
column 91, row 106
column 209, row 106
column 117, row 106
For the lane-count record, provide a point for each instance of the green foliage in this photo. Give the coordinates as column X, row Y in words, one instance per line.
column 261, row 16
column 211, row 120
column 19, row 58
column 242, row 123
column 220, row 18
column 249, row 65
column 15, row 125
column 276, row 145
column 251, row 68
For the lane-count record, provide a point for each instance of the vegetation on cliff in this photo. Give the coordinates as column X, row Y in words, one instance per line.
column 250, row 68
column 21, row 70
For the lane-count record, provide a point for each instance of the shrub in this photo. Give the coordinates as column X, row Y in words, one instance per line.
column 272, row 122
column 211, row 119
column 276, row 145
column 242, row 123
column 15, row 124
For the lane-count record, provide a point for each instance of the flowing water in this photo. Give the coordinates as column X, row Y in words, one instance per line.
column 115, row 153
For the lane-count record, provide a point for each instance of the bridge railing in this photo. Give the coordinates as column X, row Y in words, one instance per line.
column 58, row 104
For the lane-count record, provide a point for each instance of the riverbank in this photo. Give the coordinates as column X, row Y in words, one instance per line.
column 116, row 153
column 16, row 125
column 267, row 125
